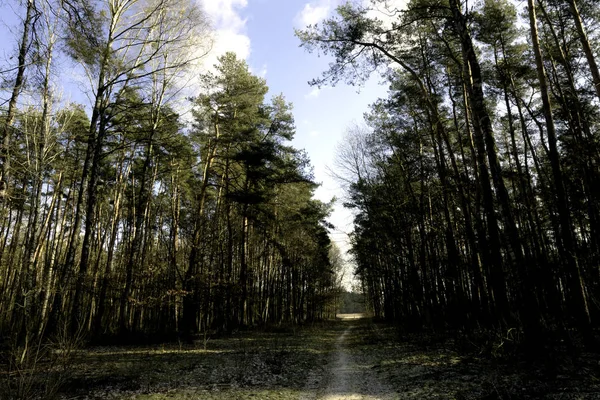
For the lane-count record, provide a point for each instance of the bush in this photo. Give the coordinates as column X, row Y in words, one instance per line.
column 36, row 368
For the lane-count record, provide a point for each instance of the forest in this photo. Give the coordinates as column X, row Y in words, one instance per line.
column 475, row 183
column 164, row 213
column 135, row 217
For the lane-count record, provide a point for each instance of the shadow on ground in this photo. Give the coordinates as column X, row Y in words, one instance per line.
column 275, row 362
column 298, row 364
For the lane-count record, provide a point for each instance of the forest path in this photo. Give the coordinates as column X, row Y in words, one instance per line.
column 347, row 359
column 351, row 375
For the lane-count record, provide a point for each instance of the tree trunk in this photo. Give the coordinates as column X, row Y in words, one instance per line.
column 5, row 130
column 565, row 241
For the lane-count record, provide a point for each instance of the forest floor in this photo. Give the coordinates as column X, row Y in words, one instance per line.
column 346, row 359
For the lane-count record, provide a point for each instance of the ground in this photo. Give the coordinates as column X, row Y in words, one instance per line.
column 347, row 359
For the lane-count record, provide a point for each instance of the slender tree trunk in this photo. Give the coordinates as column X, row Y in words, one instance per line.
column 585, row 44
column 5, row 131
column 144, row 198
column 565, row 240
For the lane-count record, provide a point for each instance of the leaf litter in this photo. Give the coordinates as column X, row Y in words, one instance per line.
column 311, row 363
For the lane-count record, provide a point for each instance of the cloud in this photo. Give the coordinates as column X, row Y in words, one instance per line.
column 315, row 12
column 226, row 40
column 225, row 13
column 262, row 72
column 316, row 92
column 314, row 133
column 230, row 29
column 227, row 33
column 388, row 11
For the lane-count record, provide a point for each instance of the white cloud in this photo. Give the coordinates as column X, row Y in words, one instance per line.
column 315, row 12
column 314, row 133
column 227, row 40
column 387, row 12
column 225, row 13
column 230, row 29
column 262, row 72
column 228, row 33
column 314, row 93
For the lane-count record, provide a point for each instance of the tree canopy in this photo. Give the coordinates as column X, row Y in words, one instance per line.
column 474, row 181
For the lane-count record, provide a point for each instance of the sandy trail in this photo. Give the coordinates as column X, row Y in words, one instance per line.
column 351, row 376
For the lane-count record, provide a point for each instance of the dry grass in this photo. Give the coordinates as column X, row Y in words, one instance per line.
column 287, row 364
column 269, row 365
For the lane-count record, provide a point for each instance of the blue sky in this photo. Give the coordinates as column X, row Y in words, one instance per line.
column 262, row 32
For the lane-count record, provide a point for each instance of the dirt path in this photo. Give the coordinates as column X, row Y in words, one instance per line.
column 349, row 376
column 350, row 359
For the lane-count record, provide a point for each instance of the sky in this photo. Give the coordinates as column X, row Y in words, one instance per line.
column 262, row 32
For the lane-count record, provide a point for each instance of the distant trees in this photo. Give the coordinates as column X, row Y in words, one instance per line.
column 121, row 218
column 474, row 184
column 259, row 245
column 351, row 303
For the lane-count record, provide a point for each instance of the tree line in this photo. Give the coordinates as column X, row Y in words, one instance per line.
column 132, row 216
column 475, row 183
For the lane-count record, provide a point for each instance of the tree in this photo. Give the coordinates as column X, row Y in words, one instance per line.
column 449, row 180
column 135, row 42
